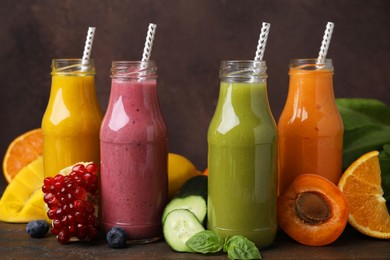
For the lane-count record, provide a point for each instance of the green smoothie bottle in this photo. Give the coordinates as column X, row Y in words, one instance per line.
column 242, row 156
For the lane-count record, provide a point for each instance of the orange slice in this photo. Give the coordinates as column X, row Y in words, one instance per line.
column 22, row 151
column 361, row 185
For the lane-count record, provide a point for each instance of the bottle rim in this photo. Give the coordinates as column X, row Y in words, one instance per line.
column 311, row 64
column 135, row 62
column 134, row 69
column 73, row 66
column 243, row 70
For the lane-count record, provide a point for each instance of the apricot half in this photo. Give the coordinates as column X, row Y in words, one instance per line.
column 312, row 211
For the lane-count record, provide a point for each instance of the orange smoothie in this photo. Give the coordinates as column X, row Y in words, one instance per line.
column 72, row 118
column 310, row 128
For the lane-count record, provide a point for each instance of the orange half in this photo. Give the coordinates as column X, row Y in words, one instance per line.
column 361, row 185
column 22, row 151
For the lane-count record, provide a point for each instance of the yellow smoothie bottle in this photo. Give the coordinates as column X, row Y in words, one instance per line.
column 72, row 118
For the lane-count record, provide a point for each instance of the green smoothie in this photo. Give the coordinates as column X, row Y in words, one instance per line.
column 242, row 164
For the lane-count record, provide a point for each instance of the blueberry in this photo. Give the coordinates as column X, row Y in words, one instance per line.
column 116, row 237
column 37, row 228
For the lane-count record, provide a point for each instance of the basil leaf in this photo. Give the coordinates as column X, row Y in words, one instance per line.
column 205, row 242
column 239, row 247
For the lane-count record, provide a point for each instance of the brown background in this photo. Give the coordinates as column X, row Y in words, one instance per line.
column 192, row 37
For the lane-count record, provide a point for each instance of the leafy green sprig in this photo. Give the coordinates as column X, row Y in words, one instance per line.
column 237, row 247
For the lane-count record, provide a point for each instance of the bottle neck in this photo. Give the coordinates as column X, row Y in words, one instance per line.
column 243, row 91
column 134, row 84
column 311, row 68
column 307, row 65
column 311, row 82
column 72, row 67
column 134, row 70
column 245, row 71
column 243, row 101
column 243, row 82
column 311, row 74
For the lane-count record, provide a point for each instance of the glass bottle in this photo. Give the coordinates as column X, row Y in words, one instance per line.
column 134, row 153
column 242, row 156
column 310, row 126
column 72, row 118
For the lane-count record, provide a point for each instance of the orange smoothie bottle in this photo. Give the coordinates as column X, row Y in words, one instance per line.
column 72, row 118
column 310, row 129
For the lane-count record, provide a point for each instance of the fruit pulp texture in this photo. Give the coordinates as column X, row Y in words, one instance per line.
column 71, row 123
column 242, row 164
column 134, row 154
column 310, row 129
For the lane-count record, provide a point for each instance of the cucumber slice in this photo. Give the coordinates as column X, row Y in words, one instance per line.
column 196, row 204
column 179, row 226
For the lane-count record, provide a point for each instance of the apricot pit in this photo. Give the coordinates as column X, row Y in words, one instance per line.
column 312, row 208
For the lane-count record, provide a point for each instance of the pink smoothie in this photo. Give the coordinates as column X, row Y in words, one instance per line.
column 134, row 154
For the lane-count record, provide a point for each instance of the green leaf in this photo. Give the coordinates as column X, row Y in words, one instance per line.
column 358, row 112
column 205, row 242
column 239, row 247
column 362, row 140
column 384, row 160
column 367, row 128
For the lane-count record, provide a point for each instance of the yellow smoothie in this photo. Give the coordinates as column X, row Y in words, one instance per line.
column 72, row 118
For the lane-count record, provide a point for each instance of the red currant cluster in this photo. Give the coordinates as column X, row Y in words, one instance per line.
column 71, row 200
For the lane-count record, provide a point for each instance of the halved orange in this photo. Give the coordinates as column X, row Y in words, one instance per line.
column 180, row 169
column 361, row 185
column 22, row 151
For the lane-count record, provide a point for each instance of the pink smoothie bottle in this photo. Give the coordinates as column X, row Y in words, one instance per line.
column 134, row 153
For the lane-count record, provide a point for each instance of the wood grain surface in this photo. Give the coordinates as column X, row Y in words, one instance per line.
column 15, row 243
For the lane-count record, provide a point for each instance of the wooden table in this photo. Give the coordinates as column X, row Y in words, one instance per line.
column 15, row 243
